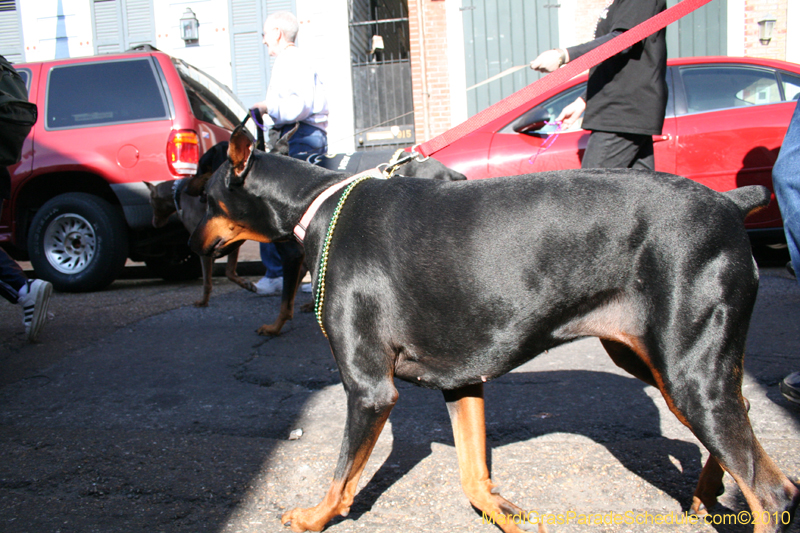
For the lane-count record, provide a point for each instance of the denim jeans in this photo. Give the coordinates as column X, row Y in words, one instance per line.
column 786, row 182
column 306, row 141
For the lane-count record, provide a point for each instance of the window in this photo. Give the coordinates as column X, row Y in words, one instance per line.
column 554, row 106
column 791, row 86
column 114, row 92
column 727, row 87
column 25, row 74
column 211, row 102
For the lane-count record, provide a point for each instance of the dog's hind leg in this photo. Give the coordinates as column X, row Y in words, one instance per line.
column 368, row 408
column 716, row 413
column 465, row 406
column 719, row 419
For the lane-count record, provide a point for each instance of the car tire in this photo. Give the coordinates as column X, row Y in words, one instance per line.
column 78, row 242
column 180, row 264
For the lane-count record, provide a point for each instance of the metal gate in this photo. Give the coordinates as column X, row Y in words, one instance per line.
column 499, row 35
column 383, row 106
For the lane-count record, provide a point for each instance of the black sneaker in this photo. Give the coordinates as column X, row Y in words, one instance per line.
column 34, row 299
column 790, row 387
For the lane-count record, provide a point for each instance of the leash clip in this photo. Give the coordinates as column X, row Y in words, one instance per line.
column 420, row 157
column 395, row 162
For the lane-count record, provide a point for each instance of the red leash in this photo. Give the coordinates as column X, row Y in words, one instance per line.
column 563, row 74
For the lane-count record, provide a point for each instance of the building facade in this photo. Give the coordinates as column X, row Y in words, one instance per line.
column 398, row 72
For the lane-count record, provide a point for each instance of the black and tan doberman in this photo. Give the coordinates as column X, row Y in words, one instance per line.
column 452, row 284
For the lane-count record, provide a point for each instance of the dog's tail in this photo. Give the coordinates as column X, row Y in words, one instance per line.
column 750, row 198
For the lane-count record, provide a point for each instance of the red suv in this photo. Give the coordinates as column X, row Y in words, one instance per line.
column 79, row 207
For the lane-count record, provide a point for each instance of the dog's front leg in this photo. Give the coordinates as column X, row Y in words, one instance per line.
column 230, row 272
column 465, row 406
column 368, row 408
column 292, row 262
column 207, row 262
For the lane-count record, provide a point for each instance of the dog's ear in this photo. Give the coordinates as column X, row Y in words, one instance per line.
column 240, row 152
column 150, row 186
column 281, row 146
column 197, row 183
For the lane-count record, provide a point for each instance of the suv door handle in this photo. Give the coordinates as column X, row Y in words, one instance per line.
column 662, row 138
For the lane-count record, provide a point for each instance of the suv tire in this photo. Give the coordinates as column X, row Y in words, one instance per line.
column 78, row 242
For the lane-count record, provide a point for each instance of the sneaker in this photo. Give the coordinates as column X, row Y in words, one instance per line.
column 34, row 298
column 790, row 387
column 305, row 287
column 269, row 286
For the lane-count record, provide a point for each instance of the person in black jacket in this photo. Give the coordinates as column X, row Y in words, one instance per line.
column 33, row 295
column 626, row 95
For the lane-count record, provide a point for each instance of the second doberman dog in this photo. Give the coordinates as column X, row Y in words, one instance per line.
column 184, row 198
column 451, row 284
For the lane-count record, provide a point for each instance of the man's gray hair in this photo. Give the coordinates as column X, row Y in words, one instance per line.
column 284, row 21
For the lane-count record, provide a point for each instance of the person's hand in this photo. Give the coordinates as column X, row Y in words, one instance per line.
column 260, row 109
column 571, row 113
column 550, row 60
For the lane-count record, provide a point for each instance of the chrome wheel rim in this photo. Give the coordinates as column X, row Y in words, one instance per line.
column 70, row 243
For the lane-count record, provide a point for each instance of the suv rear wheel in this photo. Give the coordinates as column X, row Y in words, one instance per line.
column 78, row 242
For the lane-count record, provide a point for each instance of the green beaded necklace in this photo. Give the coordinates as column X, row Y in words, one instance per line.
column 319, row 298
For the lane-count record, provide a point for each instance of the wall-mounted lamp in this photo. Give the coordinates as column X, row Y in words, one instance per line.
column 377, row 44
column 190, row 28
column 765, row 27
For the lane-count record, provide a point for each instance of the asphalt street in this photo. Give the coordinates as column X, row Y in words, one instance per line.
column 138, row 412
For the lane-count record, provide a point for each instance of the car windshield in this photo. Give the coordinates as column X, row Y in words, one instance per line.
column 210, row 100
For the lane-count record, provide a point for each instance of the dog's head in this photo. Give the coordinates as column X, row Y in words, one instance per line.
column 237, row 207
column 161, row 201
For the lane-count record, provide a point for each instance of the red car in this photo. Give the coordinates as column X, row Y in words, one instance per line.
column 725, row 122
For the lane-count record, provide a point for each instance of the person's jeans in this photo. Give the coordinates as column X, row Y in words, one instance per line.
column 306, row 141
column 786, row 182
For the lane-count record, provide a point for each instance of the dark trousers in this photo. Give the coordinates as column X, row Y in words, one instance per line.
column 12, row 278
column 619, row 150
column 306, row 142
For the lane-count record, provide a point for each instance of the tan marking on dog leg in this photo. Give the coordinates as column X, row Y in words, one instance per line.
column 760, row 492
column 466, row 410
column 284, row 315
column 341, row 492
column 230, row 272
column 705, row 495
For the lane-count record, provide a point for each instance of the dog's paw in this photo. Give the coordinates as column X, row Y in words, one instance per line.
column 201, row 303
column 250, row 286
column 269, row 330
column 300, row 520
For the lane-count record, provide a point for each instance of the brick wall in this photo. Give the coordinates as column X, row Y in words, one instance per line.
column 429, row 67
column 586, row 19
column 754, row 10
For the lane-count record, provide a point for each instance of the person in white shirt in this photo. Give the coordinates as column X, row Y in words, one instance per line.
column 295, row 95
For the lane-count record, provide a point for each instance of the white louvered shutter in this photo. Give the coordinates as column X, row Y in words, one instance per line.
column 10, row 33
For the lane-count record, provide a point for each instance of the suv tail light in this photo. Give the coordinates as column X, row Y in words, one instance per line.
column 183, row 152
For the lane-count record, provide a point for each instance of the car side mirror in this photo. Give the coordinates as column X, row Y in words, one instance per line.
column 532, row 121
